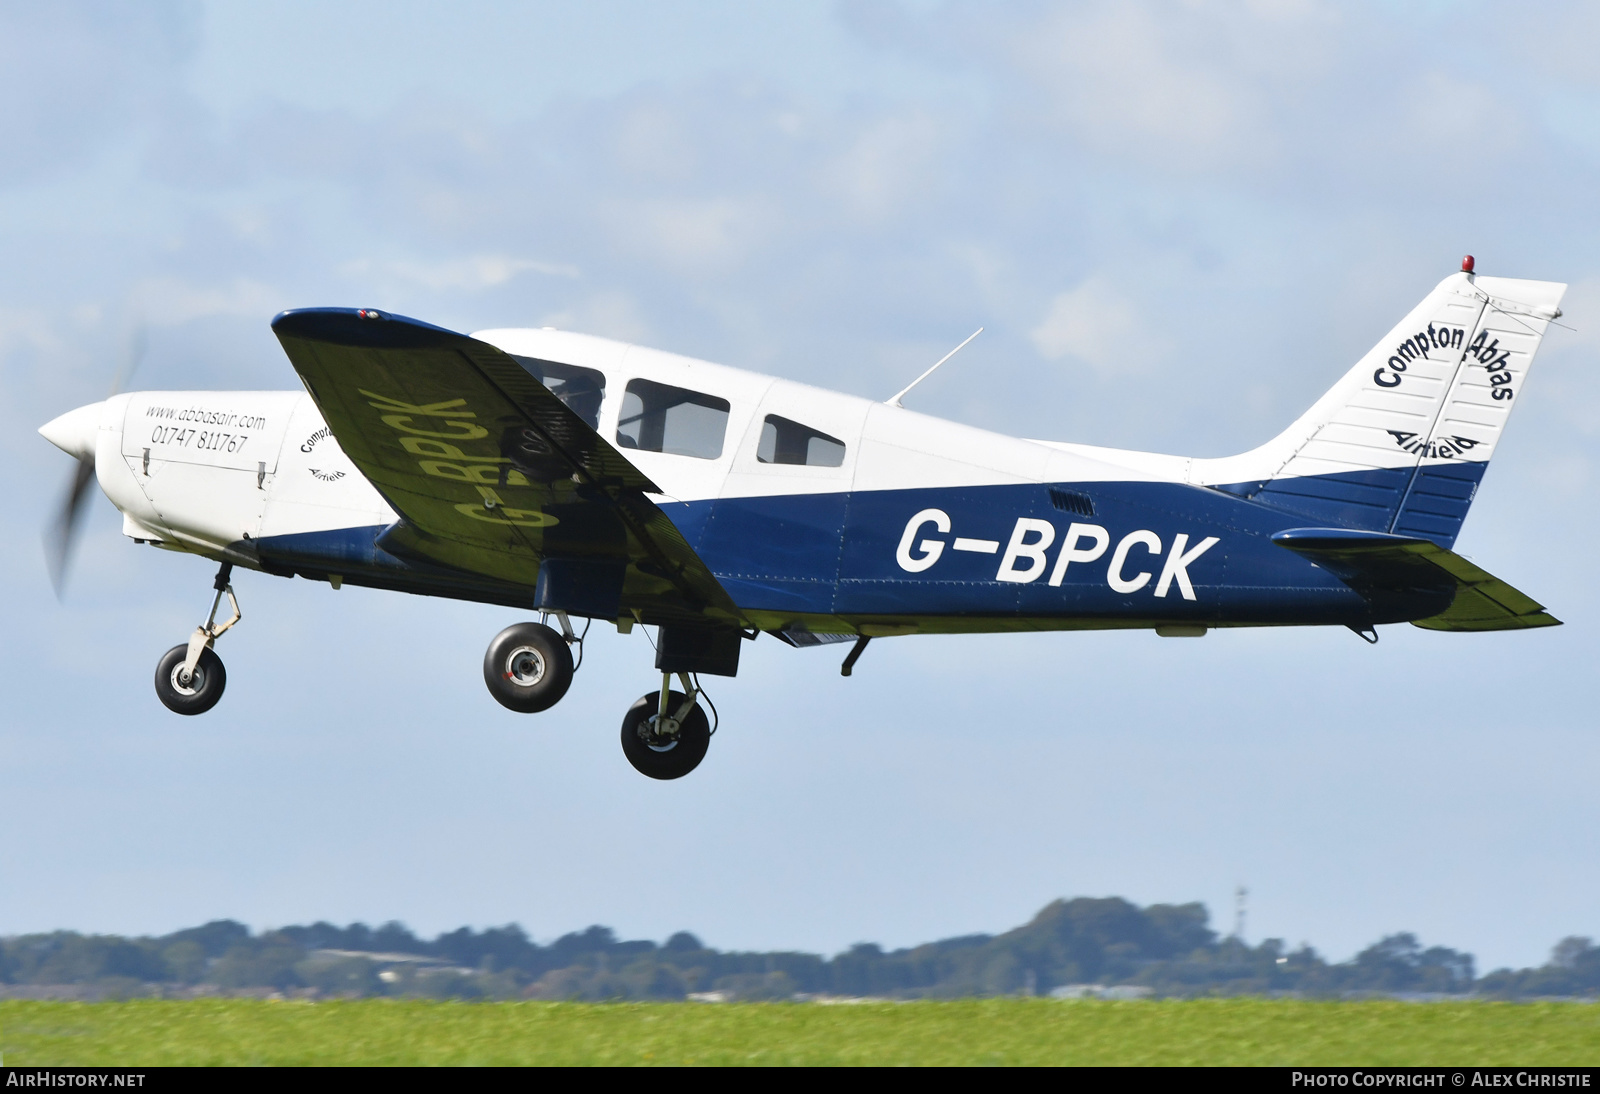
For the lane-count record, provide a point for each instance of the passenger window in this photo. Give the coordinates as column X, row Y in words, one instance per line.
column 660, row 418
column 783, row 441
column 581, row 389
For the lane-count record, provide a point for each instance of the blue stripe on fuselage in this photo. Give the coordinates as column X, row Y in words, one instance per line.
column 835, row 554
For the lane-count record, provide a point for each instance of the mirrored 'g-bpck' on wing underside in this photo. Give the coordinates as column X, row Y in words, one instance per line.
column 491, row 472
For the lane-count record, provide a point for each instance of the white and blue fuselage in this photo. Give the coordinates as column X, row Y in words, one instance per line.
column 826, row 514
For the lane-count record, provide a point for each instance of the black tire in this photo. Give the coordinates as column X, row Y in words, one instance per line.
column 671, row 759
column 201, row 693
column 528, row 668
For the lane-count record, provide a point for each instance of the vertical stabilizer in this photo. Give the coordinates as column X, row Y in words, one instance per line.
column 1401, row 442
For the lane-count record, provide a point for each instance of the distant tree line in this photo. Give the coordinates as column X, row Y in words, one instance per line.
column 1164, row 949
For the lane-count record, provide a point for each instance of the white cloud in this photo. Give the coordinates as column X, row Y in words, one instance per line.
column 172, row 301
column 610, row 314
column 469, row 274
column 703, row 235
column 888, row 162
column 1180, row 85
column 1100, row 327
column 76, row 75
column 1456, row 120
column 650, row 142
column 20, row 327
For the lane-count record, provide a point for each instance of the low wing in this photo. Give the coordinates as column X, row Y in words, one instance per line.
column 1376, row 560
column 490, row 471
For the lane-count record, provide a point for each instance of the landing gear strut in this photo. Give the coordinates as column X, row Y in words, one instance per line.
column 190, row 678
column 666, row 733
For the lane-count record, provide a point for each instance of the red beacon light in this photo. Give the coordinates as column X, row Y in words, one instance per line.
column 1466, row 264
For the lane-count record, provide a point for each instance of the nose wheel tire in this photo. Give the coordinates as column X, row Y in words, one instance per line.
column 197, row 694
column 664, row 755
column 528, row 668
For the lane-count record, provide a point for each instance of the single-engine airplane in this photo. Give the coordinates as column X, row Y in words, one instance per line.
column 582, row 478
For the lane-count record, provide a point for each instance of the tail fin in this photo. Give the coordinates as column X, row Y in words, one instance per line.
column 1401, row 442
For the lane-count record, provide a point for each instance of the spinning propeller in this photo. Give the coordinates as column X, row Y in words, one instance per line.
column 74, row 433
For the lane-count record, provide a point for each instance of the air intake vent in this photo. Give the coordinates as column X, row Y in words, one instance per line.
column 1070, row 501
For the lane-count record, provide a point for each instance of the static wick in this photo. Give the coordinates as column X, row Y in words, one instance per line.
column 902, row 394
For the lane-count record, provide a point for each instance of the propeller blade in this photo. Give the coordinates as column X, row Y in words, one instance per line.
column 138, row 342
column 62, row 536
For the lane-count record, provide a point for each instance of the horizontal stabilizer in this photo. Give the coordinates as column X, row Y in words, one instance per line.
column 1377, row 560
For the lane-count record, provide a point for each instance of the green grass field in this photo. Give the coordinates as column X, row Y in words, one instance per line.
column 995, row 1031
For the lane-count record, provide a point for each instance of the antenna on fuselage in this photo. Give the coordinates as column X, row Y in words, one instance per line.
column 902, row 393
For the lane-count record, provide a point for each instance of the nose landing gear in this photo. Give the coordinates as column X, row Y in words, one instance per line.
column 190, row 678
column 666, row 733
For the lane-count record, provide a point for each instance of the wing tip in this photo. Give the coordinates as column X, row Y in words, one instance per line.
column 1503, row 623
column 368, row 327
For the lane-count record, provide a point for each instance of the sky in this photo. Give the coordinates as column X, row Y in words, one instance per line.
column 1178, row 223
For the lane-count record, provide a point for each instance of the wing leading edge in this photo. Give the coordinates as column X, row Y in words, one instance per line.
column 1379, row 561
column 491, row 472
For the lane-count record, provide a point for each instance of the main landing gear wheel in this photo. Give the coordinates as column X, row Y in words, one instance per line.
column 665, row 748
column 528, row 668
column 190, row 693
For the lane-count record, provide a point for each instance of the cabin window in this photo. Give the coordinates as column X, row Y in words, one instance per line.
column 661, row 418
column 784, row 441
column 581, row 389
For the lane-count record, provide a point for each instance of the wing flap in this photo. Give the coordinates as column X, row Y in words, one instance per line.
column 1369, row 560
